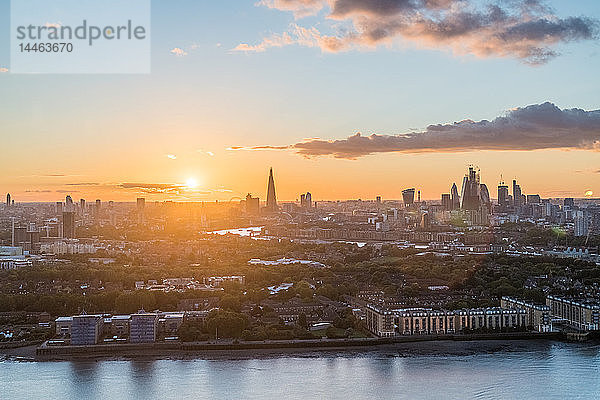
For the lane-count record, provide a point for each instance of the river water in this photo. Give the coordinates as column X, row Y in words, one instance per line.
column 522, row 371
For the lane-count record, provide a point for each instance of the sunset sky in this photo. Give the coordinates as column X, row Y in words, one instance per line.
column 302, row 78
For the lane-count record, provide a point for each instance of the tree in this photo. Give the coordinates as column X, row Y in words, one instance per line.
column 302, row 322
column 231, row 303
column 226, row 323
column 304, row 290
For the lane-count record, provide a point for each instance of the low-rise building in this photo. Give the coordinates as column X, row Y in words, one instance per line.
column 579, row 314
column 86, row 329
column 386, row 322
column 380, row 321
column 63, row 326
column 169, row 324
column 119, row 325
column 143, row 327
column 538, row 315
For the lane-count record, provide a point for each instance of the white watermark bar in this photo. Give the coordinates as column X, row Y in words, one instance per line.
column 80, row 37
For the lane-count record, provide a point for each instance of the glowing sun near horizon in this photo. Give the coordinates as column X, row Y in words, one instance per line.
column 191, row 183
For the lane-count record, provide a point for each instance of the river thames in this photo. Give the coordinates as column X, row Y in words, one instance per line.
column 540, row 370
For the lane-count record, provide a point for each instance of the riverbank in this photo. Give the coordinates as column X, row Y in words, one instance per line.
column 202, row 349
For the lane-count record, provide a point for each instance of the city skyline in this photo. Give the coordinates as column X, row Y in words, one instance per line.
column 260, row 89
column 177, row 191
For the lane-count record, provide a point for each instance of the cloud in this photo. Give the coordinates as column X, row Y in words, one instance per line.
column 535, row 127
column 527, row 30
column 170, row 188
column 308, row 37
column 179, row 52
column 208, row 153
column 3, row 70
column 300, row 8
column 38, row 191
column 83, row 184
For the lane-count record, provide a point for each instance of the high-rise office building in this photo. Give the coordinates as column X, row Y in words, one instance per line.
column 82, row 206
column 581, row 225
column 252, row 205
column 8, row 200
column 141, row 210
column 306, row 200
column 446, row 201
column 68, row 224
column 271, row 196
column 59, row 208
column 484, row 195
column 517, row 196
column 455, row 197
column 69, row 206
column 408, row 196
column 97, row 208
column 471, row 189
column 503, row 199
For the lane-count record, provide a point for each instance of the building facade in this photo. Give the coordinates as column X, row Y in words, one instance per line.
column 538, row 315
column 581, row 315
column 421, row 321
column 143, row 328
column 86, row 329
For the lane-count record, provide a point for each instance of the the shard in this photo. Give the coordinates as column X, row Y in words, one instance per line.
column 271, row 196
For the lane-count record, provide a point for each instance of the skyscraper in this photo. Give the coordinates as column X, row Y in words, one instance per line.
column 306, row 200
column 98, row 208
column 69, row 203
column 8, row 200
column 484, row 195
column 68, row 224
column 408, row 196
column 271, row 196
column 446, row 201
column 252, row 205
column 503, row 200
column 517, row 198
column 141, row 210
column 455, row 197
column 59, row 208
column 471, row 190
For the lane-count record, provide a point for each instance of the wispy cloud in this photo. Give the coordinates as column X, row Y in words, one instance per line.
column 208, row 153
column 82, row 184
column 154, row 187
column 179, row 52
column 535, row 127
column 308, row 37
column 527, row 30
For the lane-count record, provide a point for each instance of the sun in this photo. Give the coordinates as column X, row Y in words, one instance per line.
column 191, row 183
column 589, row 193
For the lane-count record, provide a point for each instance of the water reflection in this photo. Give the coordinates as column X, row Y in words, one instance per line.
column 524, row 371
column 83, row 379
